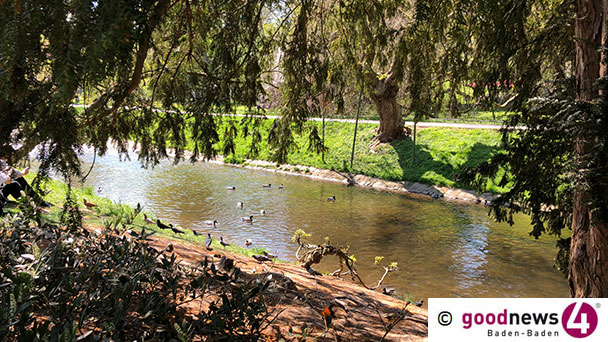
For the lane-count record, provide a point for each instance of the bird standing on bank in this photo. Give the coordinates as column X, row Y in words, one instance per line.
column 88, row 204
column 261, row 258
column 162, row 225
column 177, row 230
column 223, row 243
column 208, row 242
column 147, row 220
column 271, row 256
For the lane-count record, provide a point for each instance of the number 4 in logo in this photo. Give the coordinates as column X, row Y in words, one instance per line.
column 579, row 319
column 583, row 325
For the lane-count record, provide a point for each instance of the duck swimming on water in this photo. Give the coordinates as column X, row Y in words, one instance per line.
column 211, row 223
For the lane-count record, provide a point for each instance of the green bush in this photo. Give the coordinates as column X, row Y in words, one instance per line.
column 59, row 284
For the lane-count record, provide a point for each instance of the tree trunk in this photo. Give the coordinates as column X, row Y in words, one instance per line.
column 391, row 123
column 604, row 66
column 588, row 264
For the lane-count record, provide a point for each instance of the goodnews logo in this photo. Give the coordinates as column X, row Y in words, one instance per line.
column 522, row 319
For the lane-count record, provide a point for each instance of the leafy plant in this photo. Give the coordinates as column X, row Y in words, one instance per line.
column 61, row 282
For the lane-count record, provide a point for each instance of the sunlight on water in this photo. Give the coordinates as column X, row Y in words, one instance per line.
column 443, row 249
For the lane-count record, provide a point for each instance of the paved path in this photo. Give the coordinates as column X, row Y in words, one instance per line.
column 377, row 122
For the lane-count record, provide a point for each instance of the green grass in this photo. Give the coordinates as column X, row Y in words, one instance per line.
column 111, row 214
column 440, row 153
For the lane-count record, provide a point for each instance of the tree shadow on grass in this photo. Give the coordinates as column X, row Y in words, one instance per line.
column 417, row 168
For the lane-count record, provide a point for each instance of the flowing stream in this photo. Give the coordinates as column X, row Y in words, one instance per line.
column 444, row 249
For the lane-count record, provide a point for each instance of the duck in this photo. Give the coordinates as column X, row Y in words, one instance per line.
column 162, row 225
column 223, row 243
column 281, row 186
column 266, row 185
column 419, row 303
column 263, row 212
column 261, row 258
column 147, row 220
column 231, row 188
column 248, row 242
column 247, row 219
column 271, row 256
column 88, row 204
column 177, row 230
column 208, row 242
column 99, row 189
column 331, row 199
column 389, row 291
column 196, row 232
column 211, row 223
column 239, row 205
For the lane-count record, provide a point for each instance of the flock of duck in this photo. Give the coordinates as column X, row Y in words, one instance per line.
column 213, row 223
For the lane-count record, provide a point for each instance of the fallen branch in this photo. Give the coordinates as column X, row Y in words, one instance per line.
column 315, row 254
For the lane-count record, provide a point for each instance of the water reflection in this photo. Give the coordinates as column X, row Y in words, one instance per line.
column 443, row 249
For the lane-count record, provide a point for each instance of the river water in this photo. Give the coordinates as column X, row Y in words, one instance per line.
column 443, row 249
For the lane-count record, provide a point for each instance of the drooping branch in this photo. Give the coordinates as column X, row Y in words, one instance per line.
column 119, row 92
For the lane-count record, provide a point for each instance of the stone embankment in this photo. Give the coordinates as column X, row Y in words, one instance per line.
column 400, row 187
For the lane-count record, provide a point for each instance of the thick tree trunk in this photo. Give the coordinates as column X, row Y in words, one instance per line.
column 391, row 123
column 588, row 265
column 604, row 66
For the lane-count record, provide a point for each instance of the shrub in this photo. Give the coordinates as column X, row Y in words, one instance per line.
column 58, row 283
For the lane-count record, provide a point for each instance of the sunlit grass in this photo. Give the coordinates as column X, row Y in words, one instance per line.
column 439, row 155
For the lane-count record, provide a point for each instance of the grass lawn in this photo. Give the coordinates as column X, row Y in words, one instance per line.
column 440, row 153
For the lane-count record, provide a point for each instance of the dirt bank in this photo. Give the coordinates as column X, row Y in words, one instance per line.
column 298, row 299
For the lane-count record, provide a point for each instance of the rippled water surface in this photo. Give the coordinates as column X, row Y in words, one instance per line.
column 443, row 249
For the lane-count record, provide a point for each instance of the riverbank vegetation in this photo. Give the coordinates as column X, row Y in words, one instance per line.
column 439, row 156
